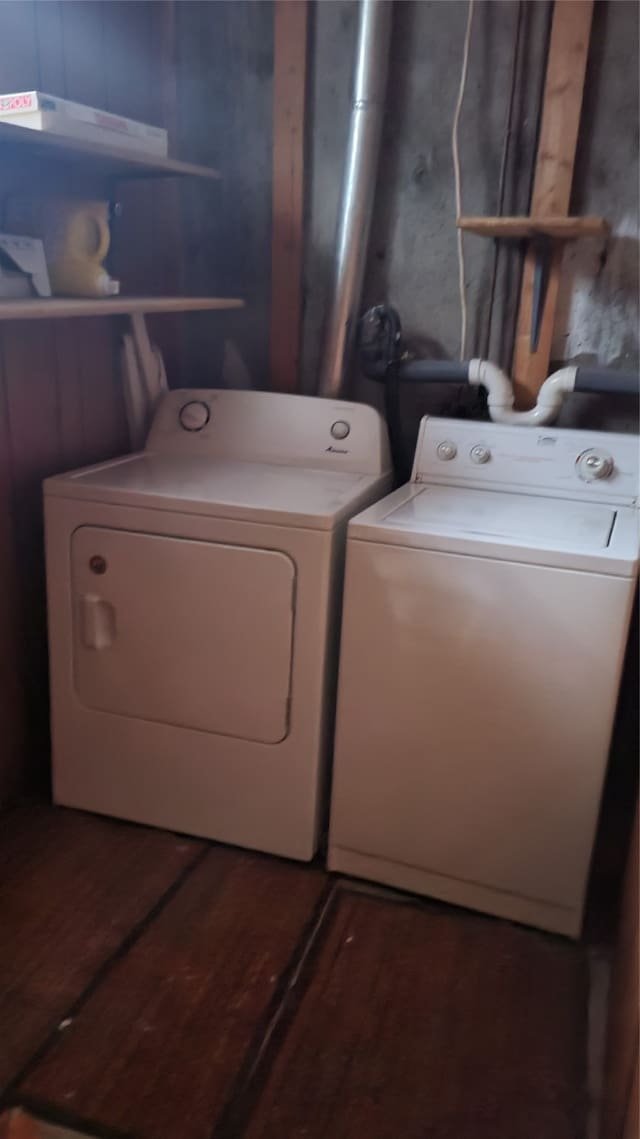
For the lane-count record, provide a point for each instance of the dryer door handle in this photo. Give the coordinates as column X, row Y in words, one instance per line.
column 98, row 621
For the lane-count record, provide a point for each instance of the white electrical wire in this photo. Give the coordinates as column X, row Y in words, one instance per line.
column 456, row 174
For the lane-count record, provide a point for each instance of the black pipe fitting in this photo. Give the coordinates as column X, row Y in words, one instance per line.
column 607, row 380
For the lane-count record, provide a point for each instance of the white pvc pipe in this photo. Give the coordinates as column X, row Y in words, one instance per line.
column 500, row 394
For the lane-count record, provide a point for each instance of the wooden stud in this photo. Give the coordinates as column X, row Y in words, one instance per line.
column 564, row 86
column 289, row 82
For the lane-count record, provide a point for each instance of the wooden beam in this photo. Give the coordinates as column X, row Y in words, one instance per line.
column 562, row 104
column 289, row 85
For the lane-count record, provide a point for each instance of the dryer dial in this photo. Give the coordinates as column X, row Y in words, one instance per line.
column 193, row 416
column 340, row 429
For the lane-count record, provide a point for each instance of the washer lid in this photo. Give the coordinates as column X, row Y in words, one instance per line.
column 536, row 529
column 524, row 518
column 223, row 488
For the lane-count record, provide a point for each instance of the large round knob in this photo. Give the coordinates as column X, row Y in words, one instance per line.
column 594, row 464
column 194, row 415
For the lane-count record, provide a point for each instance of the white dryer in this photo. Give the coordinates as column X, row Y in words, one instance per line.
column 193, row 598
column 485, row 617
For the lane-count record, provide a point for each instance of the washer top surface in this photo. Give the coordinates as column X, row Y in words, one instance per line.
column 527, row 518
column 247, row 455
column 551, row 497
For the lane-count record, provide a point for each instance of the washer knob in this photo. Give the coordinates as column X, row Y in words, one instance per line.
column 193, row 416
column 340, row 429
column 447, row 450
column 480, row 454
column 594, row 464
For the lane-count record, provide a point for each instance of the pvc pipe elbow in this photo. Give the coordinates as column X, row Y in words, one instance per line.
column 498, row 386
column 555, row 387
column 500, row 394
column 551, row 397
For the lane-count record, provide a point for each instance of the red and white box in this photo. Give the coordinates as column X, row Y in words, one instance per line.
column 37, row 111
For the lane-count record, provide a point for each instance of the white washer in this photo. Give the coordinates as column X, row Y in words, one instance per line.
column 485, row 616
column 193, row 595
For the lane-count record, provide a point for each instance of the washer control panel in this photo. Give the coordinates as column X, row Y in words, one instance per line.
column 271, row 427
column 576, row 464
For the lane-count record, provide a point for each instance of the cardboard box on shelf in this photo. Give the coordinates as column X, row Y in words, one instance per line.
column 35, row 110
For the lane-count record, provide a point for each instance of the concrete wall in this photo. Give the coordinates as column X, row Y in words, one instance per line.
column 598, row 315
column 412, row 258
column 598, row 319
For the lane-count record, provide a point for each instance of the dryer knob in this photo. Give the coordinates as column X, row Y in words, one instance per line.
column 340, row 429
column 194, row 415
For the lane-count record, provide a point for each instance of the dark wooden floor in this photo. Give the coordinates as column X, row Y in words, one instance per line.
column 158, row 987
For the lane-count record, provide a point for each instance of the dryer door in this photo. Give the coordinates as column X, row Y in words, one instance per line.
column 191, row 633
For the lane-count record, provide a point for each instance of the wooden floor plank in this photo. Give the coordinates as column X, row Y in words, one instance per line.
column 156, row 1049
column 423, row 1023
column 72, row 886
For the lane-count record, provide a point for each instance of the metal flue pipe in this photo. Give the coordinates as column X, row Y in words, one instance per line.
column 358, row 190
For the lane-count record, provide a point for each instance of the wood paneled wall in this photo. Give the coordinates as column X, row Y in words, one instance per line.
column 204, row 71
column 60, row 396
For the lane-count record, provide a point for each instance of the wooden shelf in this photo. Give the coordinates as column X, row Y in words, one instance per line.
column 47, row 308
column 560, row 228
column 108, row 161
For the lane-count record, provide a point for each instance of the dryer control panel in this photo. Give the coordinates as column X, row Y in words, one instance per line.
column 592, row 465
column 271, row 427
